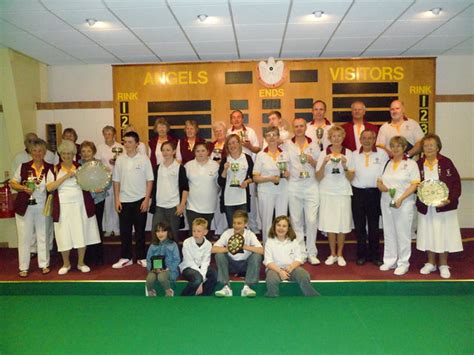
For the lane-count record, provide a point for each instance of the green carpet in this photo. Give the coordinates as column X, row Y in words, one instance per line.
column 387, row 323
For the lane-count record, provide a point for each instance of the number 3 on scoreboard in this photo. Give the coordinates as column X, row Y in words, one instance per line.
column 124, row 121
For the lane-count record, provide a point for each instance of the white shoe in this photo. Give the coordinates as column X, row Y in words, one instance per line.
column 314, row 260
column 444, row 271
column 142, row 262
column 83, row 268
column 401, row 270
column 428, row 269
column 64, row 270
column 385, row 267
column 331, row 260
column 122, row 263
column 226, row 291
column 248, row 292
column 341, row 261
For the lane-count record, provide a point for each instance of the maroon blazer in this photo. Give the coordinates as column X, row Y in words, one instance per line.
column 350, row 141
column 211, row 146
column 186, row 154
column 153, row 143
column 88, row 200
column 21, row 201
column 449, row 175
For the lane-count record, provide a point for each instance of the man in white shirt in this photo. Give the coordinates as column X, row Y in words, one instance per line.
column 400, row 125
column 133, row 183
column 105, row 153
column 369, row 163
column 319, row 121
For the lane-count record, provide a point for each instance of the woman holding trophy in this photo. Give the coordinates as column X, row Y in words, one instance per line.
column 270, row 173
column 29, row 180
column 399, row 181
column 75, row 226
column 438, row 197
column 335, row 171
column 235, row 176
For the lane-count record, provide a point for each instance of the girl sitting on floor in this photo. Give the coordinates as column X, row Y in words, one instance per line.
column 165, row 248
column 283, row 259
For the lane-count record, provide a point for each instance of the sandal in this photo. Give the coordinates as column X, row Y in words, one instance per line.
column 45, row 270
column 23, row 273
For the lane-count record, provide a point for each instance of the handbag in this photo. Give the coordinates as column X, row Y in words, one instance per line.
column 48, row 206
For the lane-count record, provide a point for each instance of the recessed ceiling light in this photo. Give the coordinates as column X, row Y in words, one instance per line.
column 91, row 21
column 436, row 11
column 318, row 14
column 202, row 17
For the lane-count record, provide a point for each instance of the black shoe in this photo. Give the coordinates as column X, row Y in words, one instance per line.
column 377, row 262
column 360, row 261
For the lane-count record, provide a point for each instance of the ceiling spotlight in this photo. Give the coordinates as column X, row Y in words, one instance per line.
column 436, row 11
column 91, row 21
column 318, row 14
column 202, row 17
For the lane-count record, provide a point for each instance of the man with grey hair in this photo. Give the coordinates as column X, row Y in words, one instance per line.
column 356, row 126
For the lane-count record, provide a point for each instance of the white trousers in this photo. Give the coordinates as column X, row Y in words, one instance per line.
column 397, row 227
column 33, row 225
column 267, row 203
column 110, row 221
column 303, row 200
column 254, row 218
column 219, row 222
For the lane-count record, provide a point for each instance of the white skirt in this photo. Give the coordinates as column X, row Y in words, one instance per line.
column 74, row 229
column 335, row 214
column 439, row 231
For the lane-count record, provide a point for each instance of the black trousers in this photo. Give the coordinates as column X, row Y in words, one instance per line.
column 192, row 215
column 95, row 252
column 194, row 279
column 131, row 217
column 366, row 211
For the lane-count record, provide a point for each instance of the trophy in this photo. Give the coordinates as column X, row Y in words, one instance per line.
column 433, row 192
column 392, row 191
column 217, row 154
column 117, row 151
column 93, row 176
column 235, row 181
column 303, row 160
column 243, row 135
column 335, row 161
column 236, row 243
column 30, row 183
column 319, row 135
column 282, row 166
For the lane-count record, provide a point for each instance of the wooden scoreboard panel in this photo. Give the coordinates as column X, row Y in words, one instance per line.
column 208, row 91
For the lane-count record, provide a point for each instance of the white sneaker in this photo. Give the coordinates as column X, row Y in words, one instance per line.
column 385, row 267
column 122, row 263
column 341, row 261
column 226, row 291
column 142, row 262
column 428, row 269
column 248, row 292
column 64, row 270
column 444, row 271
column 401, row 270
column 83, row 268
column 313, row 260
column 331, row 260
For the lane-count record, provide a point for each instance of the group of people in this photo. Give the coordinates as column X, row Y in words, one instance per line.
column 320, row 176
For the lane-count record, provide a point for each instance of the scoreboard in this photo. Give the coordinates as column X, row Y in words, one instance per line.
column 208, row 91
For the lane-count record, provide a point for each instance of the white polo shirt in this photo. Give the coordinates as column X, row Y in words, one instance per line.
column 410, row 129
column 335, row 181
column 282, row 253
column 368, row 167
column 104, row 153
column 294, row 151
column 132, row 173
column 400, row 177
column 234, row 196
column 284, row 136
column 203, row 188
column 311, row 133
column 250, row 240
column 196, row 257
column 251, row 136
column 266, row 165
column 167, row 185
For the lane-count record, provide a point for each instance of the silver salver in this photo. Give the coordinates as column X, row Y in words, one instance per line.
column 432, row 192
column 93, row 176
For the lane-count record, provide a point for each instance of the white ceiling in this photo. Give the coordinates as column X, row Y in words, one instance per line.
column 141, row 31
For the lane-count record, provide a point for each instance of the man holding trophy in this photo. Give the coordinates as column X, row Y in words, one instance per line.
column 303, row 189
column 318, row 129
column 107, row 153
column 270, row 172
